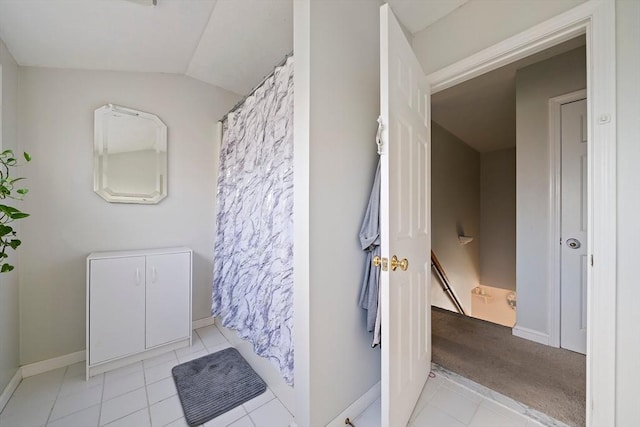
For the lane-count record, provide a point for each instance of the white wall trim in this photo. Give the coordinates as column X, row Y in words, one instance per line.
column 10, row 388
column 555, row 211
column 201, row 323
column 530, row 334
column 357, row 407
column 596, row 19
column 51, row 364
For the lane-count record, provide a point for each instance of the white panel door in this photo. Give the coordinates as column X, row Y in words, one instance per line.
column 405, row 224
column 168, row 281
column 573, row 225
column 116, row 308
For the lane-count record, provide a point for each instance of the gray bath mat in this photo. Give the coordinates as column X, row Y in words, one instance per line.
column 214, row 384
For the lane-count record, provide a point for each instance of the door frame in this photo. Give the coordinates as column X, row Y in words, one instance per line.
column 555, row 303
column 596, row 19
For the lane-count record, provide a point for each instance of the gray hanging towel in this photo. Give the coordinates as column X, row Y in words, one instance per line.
column 370, row 240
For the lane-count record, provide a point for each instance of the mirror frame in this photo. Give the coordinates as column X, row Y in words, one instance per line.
column 101, row 145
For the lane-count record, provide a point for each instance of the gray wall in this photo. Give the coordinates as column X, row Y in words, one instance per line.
column 336, row 106
column 479, row 24
column 9, row 324
column 628, row 128
column 455, row 209
column 498, row 219
column 69, row 220
column 535, row 85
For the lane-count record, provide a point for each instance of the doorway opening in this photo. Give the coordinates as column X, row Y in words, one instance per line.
column 494, row 171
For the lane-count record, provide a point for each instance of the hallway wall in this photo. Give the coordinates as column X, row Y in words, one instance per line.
column 455, row 209
column 498, row 219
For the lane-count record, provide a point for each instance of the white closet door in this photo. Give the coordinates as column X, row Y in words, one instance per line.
column 116, row 308
column 168, row 278
column 574, row 260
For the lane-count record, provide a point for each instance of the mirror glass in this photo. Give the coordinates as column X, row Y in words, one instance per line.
column 130, row 155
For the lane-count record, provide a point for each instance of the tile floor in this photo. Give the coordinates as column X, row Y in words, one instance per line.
column 138, row 395
column 144, row 395
column 444, row 403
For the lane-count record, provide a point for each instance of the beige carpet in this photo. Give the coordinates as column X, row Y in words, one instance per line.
column 548, row 379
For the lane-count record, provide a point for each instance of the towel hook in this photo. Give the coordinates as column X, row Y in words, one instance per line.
column 379, row 135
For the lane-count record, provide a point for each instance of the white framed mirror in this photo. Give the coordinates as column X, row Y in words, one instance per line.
column 130, row 155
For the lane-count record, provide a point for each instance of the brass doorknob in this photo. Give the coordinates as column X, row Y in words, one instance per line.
column 395, row 263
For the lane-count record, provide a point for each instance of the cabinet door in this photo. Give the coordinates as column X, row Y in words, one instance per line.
column 168, row 291
column 116, row 308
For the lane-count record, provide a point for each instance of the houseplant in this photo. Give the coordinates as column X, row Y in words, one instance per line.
column 8, row 214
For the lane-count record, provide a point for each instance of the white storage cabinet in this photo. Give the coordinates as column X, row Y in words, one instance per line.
column 138, row 305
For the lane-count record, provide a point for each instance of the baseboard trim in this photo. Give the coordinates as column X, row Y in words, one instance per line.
column 80, row 356
column 531, row 335
column 357, row 407
column 51, row 364
column 201, row 323
column 10, row 388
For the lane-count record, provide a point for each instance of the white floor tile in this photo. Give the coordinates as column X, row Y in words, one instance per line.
column 22, row 403
column 76, row 402
column 431, row 416
column 459, row 404
column 196, row 346
column 78, row 384
column 271, row 414
column 125, row 370
column 159, row 372
column 485, row 417
column 122, row 405
column 371, row 416
column 258, row 401
column 214, row 348
column 191, row 356
column 227, row 418
column 115, row 386
column 166, row 411
column 76, row 369
column 243, row 422
column 137, row 419
column 181, row 422
column 428, row 392
column 32, row 417
column 169, row 356
column 85, row 418
column 161, row 390
column 40, row 387
column 211, row 336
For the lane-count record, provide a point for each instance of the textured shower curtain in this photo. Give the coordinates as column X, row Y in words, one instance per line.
column 253, row 254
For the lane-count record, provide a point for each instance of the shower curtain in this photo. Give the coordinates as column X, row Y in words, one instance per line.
column 253, row 253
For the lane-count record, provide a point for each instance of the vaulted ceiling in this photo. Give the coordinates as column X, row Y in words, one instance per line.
column 229, row 43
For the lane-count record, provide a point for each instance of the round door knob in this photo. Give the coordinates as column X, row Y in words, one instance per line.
column 573, row 243
column 395, row 263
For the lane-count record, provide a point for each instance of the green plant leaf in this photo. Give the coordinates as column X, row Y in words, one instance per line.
column 5, row 229
column 6, row 267
column 22, row 191
column 27, row 156
column 5, row 152
column 9, row 210
column 14, row 244
column 19, row 215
